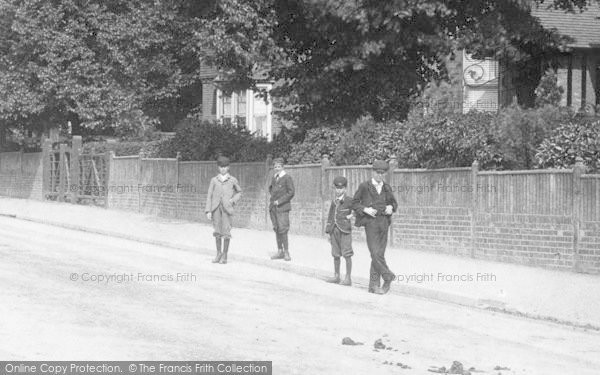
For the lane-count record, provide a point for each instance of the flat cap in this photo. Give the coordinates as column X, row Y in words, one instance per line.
column 380, row 165
column 278, row 161
column 223, row 161
column 340, row 182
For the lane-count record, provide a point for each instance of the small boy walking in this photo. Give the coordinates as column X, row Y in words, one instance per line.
column 339, row 229
column 223, row 193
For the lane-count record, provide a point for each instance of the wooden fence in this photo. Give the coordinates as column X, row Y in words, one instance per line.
column 548, row 218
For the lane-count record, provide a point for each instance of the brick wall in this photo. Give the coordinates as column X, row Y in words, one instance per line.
column 525, row 217
column 533, row 240
column 439, row 229
column 589, row 247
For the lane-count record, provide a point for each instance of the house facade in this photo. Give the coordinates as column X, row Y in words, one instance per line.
column 489, row 85
column 246, row 108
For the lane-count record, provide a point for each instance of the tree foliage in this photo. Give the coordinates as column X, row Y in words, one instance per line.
column 101, row 64
column 569, row 141
column 336, row 61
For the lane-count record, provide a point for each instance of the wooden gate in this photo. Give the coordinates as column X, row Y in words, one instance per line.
column 73, row 176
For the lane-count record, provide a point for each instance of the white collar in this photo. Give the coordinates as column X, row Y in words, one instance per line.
column 341, row 197
column 375, row 183
column 280, row 174
column 223, row 177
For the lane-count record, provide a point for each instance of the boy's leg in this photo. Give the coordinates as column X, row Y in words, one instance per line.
column 346, row 247
column 284, row 243
column 283, row 219
column 348, row 279
column 226, row 233
column 336, row 269
column 274, row 221
column 225, row 249
column 219, row 254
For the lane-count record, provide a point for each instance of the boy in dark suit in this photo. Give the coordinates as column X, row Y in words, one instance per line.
column 282, row 191
column 374, row 203
column 339, row 228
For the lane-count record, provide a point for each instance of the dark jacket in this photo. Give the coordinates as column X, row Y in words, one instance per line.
column 338, row 215
column 282, row 191
column 367, row 196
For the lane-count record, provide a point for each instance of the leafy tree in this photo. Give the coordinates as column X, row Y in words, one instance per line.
column 520, row 131
column 548, row 92
column 335, row 61
column 100, row 64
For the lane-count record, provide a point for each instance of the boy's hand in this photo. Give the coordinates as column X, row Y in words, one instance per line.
column 209, row 215
column 349, row 216
column 389, row 210
column 370, row 211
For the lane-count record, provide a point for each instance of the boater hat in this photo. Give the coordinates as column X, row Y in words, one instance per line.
column 380, row 165
column 340, row 182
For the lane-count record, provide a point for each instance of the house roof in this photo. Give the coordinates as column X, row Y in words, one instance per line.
column 582, row 26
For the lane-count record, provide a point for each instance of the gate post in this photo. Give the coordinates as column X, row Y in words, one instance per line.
column 108, row 160
column 75, row 169
column 474, row 206
column 578, row 170
column 62, row 181
column 390, row 180
column 46, row 167
column 325, row 191
column 268, row 165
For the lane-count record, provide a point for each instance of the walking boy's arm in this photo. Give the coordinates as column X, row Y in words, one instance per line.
column 329, row 225
column 357, row 201
column 392, row 200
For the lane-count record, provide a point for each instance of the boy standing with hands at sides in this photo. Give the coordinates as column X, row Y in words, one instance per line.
column 339, row 229
column 282, row 191
column 223, row 193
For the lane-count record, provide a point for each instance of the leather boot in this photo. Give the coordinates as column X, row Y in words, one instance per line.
column 286, row 253
column 336, row 270
column 387, row 283
column 279, row 254
column 348, row 281
column 225, row 250
column 219, row 254
column 334, row 280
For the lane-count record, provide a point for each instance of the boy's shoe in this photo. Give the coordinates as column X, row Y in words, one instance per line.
column 278, row 255
column 333, row 280
column 286, row 256
column 376, row 290
column 387, row 283
column 218, row 257
column 347, row 281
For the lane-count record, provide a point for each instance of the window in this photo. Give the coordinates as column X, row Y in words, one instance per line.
column 247, row 109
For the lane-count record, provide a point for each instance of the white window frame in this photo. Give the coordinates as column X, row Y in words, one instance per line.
column 250, row 99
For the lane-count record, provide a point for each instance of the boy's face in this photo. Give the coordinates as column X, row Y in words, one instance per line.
column 378, row 175
column 277, row 167
column 340, row 191
column 223, row 170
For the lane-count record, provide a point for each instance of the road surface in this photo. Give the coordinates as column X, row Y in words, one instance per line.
column 68, row 295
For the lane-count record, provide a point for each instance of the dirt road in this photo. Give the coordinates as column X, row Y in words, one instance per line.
column 70, row 295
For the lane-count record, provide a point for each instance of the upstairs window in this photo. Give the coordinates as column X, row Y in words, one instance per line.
column 246, row 108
